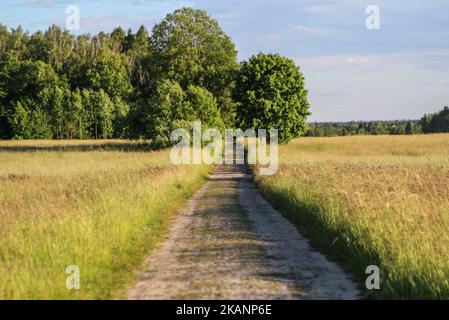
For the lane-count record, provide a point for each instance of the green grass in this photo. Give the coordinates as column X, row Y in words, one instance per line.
column 372, row 201
column 100, row 210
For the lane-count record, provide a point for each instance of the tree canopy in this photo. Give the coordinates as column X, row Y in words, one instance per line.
column 57, row 85
column 189, row 47
column 271, row 95
column 125, row 84
column 437, row 122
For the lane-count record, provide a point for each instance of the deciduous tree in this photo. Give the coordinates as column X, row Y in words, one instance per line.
column 271, row 95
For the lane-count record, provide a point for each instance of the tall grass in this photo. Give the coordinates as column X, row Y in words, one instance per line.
column 372, row 201
column 102, row 211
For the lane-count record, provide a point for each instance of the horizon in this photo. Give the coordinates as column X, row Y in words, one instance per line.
column 400, row 71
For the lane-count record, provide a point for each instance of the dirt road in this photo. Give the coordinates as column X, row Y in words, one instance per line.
column 229, row 243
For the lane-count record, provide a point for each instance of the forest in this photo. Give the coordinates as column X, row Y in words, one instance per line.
column 55, row 85
column 437, row 122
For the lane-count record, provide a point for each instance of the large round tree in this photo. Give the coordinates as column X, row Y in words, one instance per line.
column 189, row 47
column 271, row 95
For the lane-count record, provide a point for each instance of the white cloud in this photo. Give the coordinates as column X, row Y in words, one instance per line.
column 420, row 59
column 338, row 61
column 314, row 31
column 321, row 7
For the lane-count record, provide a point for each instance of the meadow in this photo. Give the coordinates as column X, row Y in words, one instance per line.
column 99, row 205
column 372, row 200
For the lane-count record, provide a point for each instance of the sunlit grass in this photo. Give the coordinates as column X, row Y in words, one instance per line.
column 372, row 201
column 100, row 210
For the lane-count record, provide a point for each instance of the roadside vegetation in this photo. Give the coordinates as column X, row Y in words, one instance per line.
column 374, row 200
column 102, row 211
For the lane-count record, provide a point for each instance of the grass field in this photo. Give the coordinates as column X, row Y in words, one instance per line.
column 374, row 200
column 101, row 206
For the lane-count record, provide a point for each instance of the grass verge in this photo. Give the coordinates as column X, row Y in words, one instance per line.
column 372, row 201
column 101, row 211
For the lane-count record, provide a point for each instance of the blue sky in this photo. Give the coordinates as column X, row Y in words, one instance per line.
column 352, row 73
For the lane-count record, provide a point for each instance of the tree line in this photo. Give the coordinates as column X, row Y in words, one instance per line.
column 435, row 122
column 55, row 85
column 430, row 123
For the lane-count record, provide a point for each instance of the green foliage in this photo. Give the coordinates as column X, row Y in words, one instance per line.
column 437, row 122
column 77, row 120
column 108, row 72
column 22, row 83
column 25, row 79
column 101, row 113
column 395, row 127
column 166, row 106
column 172, row 108
column 409, row 128
column 54, row 100
column 137, row 56
column 47, row 84
column 120, row 120
column 135, row 85
column 271, row 93
column 54, row 47
column 189, row 47
column 30, row 122
column 204, row 107
column 19, row 121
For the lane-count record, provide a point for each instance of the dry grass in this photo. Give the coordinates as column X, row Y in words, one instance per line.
column 372, row 200
column 99, row 210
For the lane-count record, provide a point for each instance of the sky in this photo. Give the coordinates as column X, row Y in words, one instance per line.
column 399, row 71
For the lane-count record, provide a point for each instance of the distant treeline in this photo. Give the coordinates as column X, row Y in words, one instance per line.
column 429, row 123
